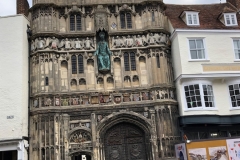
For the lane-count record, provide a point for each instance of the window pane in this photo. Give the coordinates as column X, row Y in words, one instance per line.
column 228, row 19
column 234, row 91
column 194, row 98
column 189, row 19
column 126, row 62
column 194, row 55
column 192, row 44
column 129, row 20
column 153, row 16
column 79, row 23
column 74, row 65
column 158, row 61
column 195, row 19
column 199, row 43
column 208, row 95
column 133, row 61
column 72, row 23
column 80, row 64
column 233, row 19
column 123, row 21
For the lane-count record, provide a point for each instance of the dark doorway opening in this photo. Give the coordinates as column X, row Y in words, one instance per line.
column 8, row 155
column 125, row 141
column 81, row 157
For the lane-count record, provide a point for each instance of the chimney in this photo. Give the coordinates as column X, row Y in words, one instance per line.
column 22, row 7
column 236, row 3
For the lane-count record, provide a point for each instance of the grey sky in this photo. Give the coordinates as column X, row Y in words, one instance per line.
column 8, row 7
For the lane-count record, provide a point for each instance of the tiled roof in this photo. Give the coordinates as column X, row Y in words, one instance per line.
column 208, row 15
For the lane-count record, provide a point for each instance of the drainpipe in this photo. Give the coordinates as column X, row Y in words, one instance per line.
column 29, row 34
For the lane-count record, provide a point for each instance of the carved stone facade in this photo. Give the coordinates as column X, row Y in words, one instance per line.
column 128, row 112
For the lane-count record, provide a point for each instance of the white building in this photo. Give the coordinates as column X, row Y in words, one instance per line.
column 13, row 88
column 206, row 58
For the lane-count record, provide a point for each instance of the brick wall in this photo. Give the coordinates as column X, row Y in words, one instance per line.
column 22, row 7
column 236, row 3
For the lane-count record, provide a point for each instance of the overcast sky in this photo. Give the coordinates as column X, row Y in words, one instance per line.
column 8, row 7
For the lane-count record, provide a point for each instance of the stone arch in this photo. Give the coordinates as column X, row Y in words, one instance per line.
column 131, row 118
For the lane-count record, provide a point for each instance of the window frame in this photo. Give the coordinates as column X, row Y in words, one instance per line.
column 76, row 25
column 232, row 82
column 126, row 20
column 204, row 45
column 192, row 15
column 230, row 16
column 203, row 107
column 235, row 57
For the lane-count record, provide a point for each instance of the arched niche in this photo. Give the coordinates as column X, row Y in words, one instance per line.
column 100, row 83
column 90, row 73
column 110, row 83
column 82, row 84
column 135, row 80
column 64, row 75
column 117, row 71
column 127, row 81
column 73, row 84
column 143, row 70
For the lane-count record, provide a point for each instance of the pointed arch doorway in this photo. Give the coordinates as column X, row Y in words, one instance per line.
column 125, row 141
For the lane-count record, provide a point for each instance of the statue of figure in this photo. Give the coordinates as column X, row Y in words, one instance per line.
column 33, row 46
column 163, row 38
column 144, row 39
column 116, row 42
column 78, row 44
column 151, row 39
column 103, row 54
column 72, row 43
column 88, row 44
column 139, row 41
column 40, row 43
column 54, row 43
column 67, row 44
column 129, row 41
column 157, row 37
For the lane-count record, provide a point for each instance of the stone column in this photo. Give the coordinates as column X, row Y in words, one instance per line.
column 66, row 119
column 154, row 136
column 94, row 137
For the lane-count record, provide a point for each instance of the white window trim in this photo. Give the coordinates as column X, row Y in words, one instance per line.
column 235, row 18
column 232, row 82
column 235, row 58
column 189, row 52
column 203, row 108
column 192, row 13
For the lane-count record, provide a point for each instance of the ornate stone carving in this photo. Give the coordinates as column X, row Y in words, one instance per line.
column 80, row 137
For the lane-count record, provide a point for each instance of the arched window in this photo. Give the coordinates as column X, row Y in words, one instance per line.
column 126, row 62
column 133, row 61
column 80, row 64
column 158, row 61
column 46, row 81
column 75, row 22
column 74, row 65
column 126, row 20
column 153, row 16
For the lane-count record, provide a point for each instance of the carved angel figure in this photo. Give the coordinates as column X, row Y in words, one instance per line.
column 139, row 41
column 40, row 43
column 145, row 41
column 78, row 44
column 88, row 44
column 163, row 38
column 151, row 39
column 117, row 43
column 157, row 37
column 33, row 47
column 67, row 44
column 54, row 43
column 129, row 41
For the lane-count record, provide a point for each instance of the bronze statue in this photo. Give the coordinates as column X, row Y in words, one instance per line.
column 103, row 54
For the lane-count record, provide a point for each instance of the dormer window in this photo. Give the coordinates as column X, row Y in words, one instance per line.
column 230, row 19
column 192, row 18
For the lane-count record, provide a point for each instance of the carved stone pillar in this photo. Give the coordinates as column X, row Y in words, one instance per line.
column 154, row 136
column 66, row 119
column 94, row 138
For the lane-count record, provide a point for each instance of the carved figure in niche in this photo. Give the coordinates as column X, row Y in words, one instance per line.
column 53, row 43
column 40, row 43
column 103, row 54
column 88, row 44
column 139, row 41
column 168, row 41
column 78, row 44
column 117, row 43
column 33, row 47
column 67, row 44
column 157, row 37
column 151, row 39
column 85, row 100
column 145, row 41
column 162, row 94
column 163, row 38
column 145, row 114
column 126, row 98
column 136, row 97
column 157, row 95
column 104, row 98
column 171, row 94
column 57, row 101
column 129, row 41
column 87, row 125
column 35, row 103
column 99, row 118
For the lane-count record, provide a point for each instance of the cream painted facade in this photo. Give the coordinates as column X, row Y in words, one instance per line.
column 14, row 85
column 219, row 51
